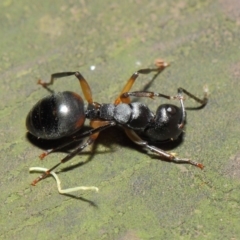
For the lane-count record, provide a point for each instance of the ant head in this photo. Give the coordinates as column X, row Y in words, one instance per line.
column 166, row 123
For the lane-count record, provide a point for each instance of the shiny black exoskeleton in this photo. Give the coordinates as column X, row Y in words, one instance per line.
column 158, row 127
column 56, row 116
column 63, row 114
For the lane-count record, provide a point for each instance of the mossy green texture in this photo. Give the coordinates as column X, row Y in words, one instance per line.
column 140, row 197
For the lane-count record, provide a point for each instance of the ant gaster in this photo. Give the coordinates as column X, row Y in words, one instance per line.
column 62, row 114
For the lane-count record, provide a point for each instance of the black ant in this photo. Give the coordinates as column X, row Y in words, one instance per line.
column 62, row 114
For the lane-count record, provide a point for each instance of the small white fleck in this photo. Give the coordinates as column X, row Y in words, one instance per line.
column 138, row 63
column 92, row 67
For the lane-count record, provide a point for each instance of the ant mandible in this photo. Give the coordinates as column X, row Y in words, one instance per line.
column 62, row 114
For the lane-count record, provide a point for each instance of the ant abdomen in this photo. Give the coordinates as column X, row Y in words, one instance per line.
column 56, row 116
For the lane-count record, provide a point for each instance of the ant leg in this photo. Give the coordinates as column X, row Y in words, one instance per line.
column 203, row 101
column 78, row 138
column 183, row 120
column 84, row 85
column 64, row 160
column 55, row 76
column 89, row 141
column 167, row 156
column 161, row 65
column 179, row 96
column 146, row 94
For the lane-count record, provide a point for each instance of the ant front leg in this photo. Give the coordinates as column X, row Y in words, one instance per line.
column 203, row 101
column 179, row 96
column 167, row 156
column 161, row 65
column 83, row 83
column 146, row 94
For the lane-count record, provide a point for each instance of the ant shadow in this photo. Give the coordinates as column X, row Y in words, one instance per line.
column 107, row 138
